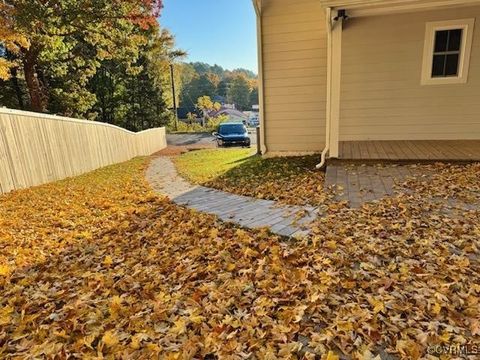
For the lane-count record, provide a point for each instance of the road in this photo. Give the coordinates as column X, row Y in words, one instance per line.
column 200, row 139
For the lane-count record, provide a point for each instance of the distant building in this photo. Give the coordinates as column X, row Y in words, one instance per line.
column 183, row 112
column 254, row 116
column 232, row 114
column 220, row 99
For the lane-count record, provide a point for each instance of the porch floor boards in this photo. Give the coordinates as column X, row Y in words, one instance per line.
column 411, row 150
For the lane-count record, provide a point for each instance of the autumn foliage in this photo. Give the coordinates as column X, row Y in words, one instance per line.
column 10, row 38
column 56, row 47
column 99, row 266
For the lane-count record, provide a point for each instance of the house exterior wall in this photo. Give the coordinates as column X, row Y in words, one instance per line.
column 381, row 93
column 294, row 56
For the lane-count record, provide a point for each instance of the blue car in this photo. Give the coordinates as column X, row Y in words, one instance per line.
column 232, row 134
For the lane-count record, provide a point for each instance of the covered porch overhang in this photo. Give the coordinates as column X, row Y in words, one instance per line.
column 358, row 8
column 338, row 11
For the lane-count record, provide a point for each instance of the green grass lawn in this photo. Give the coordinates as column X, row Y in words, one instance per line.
column 291, row 180
column 205, row 165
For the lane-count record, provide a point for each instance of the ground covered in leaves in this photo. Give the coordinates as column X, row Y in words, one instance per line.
column 97, row 266
column 289, row 180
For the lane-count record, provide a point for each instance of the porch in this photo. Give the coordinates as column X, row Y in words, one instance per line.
column 369, row 170
column 411, row 150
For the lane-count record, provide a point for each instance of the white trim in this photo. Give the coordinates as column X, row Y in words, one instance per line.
column 273, row 154
column 360, row 8
column 467, row 25
column 394, row 5
column 334, row 67
column 261, row 87
column 336, row 64
column 326, row 149
column 406, row 9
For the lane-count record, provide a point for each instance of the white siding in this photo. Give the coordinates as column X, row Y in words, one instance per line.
column 381, row 94
column 294, row 69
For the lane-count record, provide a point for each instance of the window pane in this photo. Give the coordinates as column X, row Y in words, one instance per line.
column 438, row 65
column 441, row 40
column 451, row 67
column 455, row 39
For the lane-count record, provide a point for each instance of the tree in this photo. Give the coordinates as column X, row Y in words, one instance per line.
column 254, row 99
column 11, row 41
column 248, row 74
column 239, row 93
column 12, row 94
column 205, row 105
column 73, row 37
column 161, row 54
column 202, row 79
column 201, row 68
column 198, row 87
column 191, row 118
column 115, row 69
column 134, row 97
column 223, row 86
column 217, row 70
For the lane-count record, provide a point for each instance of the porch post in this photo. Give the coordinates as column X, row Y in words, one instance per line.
column 261, row 87
column 336, row 73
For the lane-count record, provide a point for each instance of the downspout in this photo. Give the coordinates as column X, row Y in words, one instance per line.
column 328, row 119
column 261, row 89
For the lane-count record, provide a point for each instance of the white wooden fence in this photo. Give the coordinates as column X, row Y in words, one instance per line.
column 38, row 148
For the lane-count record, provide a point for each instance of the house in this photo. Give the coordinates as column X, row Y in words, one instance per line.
column 233, row 114
column 220, row 99
column 336, row 72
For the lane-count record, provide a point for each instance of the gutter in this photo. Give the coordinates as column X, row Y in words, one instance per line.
column 257, row 4
column 328, row 119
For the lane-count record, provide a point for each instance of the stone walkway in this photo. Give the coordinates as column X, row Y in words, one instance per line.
column 359, row 184
column 245, row 211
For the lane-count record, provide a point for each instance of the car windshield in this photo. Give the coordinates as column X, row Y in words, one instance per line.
column 232, row 129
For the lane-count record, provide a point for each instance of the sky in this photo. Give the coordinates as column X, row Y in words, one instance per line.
column 219, row 32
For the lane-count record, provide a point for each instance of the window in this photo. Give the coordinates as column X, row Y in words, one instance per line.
column 230, row 129
column 446, row 55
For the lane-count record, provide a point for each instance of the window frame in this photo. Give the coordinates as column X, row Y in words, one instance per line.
column 467, row 26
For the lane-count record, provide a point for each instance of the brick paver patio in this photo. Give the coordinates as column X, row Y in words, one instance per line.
column 357, row 183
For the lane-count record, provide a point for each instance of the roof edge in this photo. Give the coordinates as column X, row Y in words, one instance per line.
column 358, row 4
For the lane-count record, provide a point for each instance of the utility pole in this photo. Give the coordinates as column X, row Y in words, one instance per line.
column 174, row 97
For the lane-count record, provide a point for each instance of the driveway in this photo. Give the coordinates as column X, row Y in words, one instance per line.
column 200, row 139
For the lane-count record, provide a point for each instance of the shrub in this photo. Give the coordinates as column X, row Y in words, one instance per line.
column 211, row 125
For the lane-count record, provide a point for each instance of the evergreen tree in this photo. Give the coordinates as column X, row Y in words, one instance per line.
column 254, row 99
column 200, row 86
column 239, row 93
